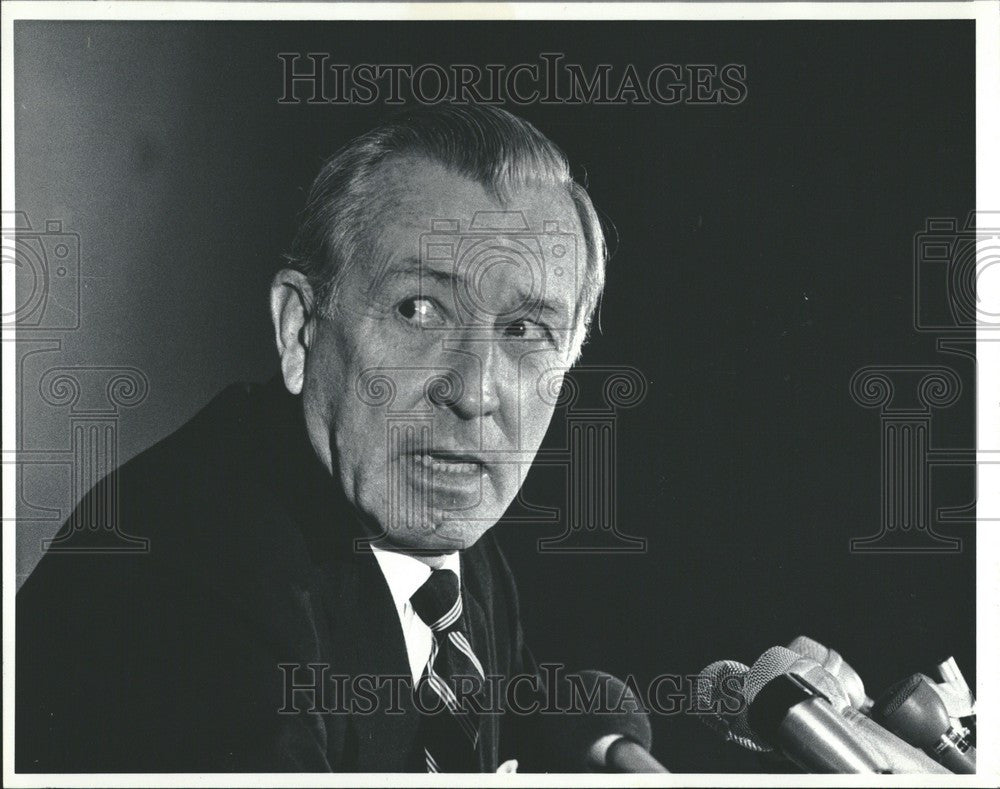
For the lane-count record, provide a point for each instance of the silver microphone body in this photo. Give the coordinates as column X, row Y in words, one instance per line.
column 884, row 751
column 797, row 720
column 899, row 756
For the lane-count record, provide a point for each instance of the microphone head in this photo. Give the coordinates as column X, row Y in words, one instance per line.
column 912, row 710
column 595, row 704
column 849, row 679
column 773, row 663
column 781, row 660
column 716, row 684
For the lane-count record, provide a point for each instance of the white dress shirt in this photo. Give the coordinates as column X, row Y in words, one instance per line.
column 405, row 575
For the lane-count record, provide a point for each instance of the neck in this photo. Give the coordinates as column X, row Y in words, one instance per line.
column 434, row 560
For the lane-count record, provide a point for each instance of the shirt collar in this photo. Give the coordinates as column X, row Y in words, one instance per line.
column 405, row 575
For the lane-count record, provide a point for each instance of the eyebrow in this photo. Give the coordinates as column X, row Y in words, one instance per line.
column 412, row 267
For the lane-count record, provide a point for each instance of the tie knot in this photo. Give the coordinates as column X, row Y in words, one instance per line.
column 438, row 602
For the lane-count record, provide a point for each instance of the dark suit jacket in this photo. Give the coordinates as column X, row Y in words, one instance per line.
column 168, row 660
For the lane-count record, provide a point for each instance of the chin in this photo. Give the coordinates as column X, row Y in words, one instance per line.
column 443, row 537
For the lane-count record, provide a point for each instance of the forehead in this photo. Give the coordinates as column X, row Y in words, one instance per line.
column 415, row 193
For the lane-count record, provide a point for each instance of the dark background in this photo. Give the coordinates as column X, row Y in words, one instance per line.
column 764, row 254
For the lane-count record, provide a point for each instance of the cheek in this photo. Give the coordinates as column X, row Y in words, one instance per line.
column 331, row 397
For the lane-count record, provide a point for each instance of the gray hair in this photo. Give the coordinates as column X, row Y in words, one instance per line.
column 486, row 144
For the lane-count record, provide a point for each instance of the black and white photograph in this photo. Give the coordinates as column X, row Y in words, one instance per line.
column 500, row 388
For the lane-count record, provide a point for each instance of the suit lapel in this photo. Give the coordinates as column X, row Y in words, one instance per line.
column 370, row 649
column 364, row 642
column 484, row 646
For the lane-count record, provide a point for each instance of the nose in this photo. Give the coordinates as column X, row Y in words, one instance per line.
column 470, row 387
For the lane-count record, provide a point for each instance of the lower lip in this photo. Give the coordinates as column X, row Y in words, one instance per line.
column 446, row 474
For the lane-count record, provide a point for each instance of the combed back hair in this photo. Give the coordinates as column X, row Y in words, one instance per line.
column 485, row 144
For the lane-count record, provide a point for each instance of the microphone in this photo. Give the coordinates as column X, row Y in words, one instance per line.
column 849, row 679
column 811, row 738
column 894, row 754
column 787, row 712
column 913, row 710
column 616, row 737
column 795, row 716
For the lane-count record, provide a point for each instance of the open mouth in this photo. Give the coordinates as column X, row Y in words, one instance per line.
column 455, row 463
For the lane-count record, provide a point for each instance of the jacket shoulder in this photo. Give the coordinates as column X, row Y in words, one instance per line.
column 183, row 483
column 159, row 655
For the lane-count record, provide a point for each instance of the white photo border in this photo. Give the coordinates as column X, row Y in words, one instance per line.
column 986, row 14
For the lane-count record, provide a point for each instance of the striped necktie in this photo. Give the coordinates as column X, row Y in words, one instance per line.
column 453, row 673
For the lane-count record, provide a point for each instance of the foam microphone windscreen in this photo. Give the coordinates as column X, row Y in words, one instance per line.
column 594, row 705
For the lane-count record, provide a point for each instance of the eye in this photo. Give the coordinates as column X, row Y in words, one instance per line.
column 420, row 311
column 527, row 330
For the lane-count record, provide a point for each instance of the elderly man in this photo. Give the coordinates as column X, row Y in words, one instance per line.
column 333, row 524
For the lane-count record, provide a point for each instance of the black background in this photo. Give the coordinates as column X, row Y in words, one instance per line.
column 764, row 254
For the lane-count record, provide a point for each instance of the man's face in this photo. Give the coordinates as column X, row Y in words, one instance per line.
column 431, row 383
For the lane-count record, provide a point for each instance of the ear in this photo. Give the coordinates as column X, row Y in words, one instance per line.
column 291, row 314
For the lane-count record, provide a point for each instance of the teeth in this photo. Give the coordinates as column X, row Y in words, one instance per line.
column 446, row 466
